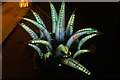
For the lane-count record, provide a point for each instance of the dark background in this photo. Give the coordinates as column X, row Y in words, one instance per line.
column 103, row 63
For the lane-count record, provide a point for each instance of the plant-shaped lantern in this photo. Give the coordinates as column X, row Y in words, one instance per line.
column 61, row 49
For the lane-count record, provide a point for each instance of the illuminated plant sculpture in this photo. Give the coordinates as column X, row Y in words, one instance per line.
column 59, row 35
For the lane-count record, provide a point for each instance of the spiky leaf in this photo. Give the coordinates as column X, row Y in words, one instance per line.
column 54, row 17
column 77, row 35
column 43, row 42
column 69, row 29
column 37, row 49
column 63, row 48
column 37, row 17
column 60, row 31
column 47, row 55
column 82, row 41
column 80, row 52
column 43, row 29
column 30, row 31
column 75, row 64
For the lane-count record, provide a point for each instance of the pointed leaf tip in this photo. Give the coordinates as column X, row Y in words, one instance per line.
column 80, row 52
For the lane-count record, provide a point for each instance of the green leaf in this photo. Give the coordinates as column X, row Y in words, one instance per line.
column 43, row 42
column 37, row 17
column 77, row 35
column 80, row 52
column 60, row 31
column 54, row 17
column 63, row 48
column 75, row 64
column 82, row 41
column 29, row 31
column 47, row 55
column 43, row 29
column 69, row 29
column 37, row 49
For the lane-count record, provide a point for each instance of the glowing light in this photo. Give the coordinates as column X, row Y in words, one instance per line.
column 23, row 3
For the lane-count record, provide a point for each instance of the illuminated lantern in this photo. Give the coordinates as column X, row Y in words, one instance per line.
column 23, row 3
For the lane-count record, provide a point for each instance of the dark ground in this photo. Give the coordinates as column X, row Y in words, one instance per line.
column 18, row 57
